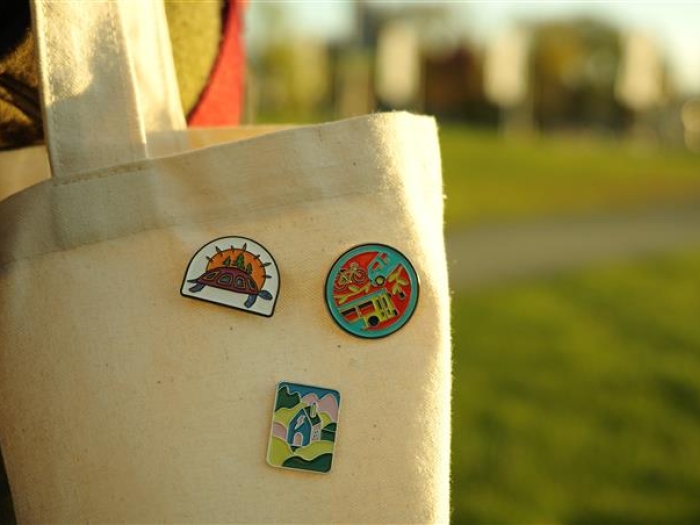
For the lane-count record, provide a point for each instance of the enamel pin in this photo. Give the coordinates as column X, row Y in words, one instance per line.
column 236, row 272
column 304, row 426
column 372, row 290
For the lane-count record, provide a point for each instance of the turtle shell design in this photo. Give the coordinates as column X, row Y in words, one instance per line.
column 232, row 279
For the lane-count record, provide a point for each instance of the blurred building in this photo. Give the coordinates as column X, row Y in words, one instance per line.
column 640, row 78
column 507, row 78
column 398, row 69
column 422, row 65
column 454, row 86
column 570, row 75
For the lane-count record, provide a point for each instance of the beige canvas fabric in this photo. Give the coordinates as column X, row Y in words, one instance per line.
column 108, row 82
column 122, row 401
column 22, row 168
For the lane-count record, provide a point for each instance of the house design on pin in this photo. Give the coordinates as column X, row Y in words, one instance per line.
column 304, row 427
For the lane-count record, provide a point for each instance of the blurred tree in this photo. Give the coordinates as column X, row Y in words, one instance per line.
column 574, row 67
column 291, row 72
column 296, row 83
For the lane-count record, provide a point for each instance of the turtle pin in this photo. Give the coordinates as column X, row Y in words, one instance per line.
column 234, row 272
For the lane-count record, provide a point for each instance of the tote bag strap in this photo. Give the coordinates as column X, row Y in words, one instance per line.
column 109, row 90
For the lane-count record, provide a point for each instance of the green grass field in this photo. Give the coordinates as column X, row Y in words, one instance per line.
column 577, row 399
column 492, row 178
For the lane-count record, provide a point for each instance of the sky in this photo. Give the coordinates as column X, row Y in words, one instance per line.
column 673, row 25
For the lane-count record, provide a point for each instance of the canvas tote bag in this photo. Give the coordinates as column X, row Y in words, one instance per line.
column 121, row 400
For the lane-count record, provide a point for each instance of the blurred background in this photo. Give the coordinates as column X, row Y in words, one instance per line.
column 570, row 137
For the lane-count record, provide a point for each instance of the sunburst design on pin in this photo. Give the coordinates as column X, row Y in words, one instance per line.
column 236, row 272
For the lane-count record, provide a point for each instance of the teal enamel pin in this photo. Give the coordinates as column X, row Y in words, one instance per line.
column 372, row 291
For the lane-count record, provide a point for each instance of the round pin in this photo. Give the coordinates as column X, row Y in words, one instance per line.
column 372, row 290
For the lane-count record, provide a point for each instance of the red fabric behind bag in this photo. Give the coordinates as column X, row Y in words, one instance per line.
column 222, row 99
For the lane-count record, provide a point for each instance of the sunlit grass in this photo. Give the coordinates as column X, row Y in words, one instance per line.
column 493, row 178
column 577, row 399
